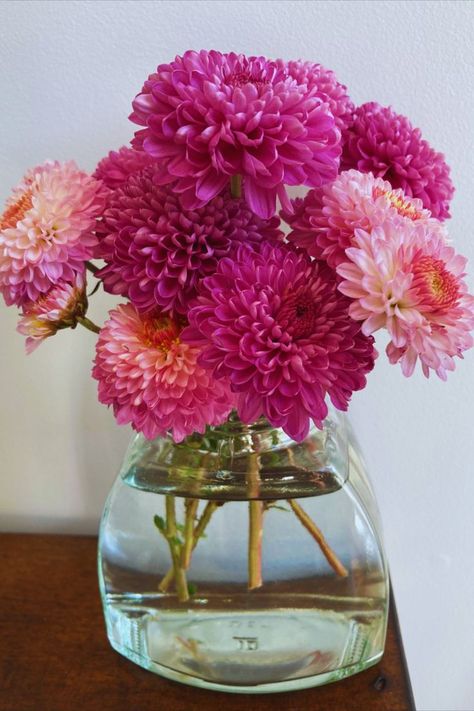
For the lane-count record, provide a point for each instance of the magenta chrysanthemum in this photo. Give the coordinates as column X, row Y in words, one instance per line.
column 274, row 323
column 153, row 380
column 156, row 251
column 409, row 280
column 324, row 222
column 327, row 86
column 46, row 231
column 210, row 116
column 386, row 144
column 115, row 168
column 59, row 308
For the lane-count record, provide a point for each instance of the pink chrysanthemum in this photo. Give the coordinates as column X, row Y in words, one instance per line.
column 386, row 144
column 274, row 323
column 324, row 222
column 407, row 279
column 46, row 231
column 59, row 308
column 156, row 251
column 153, row 380
column 115, row 168
column 328, row 88
column 210, row 116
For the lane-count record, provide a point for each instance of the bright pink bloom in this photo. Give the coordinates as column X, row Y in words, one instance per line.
column 58, row 308
column 386, row 144
column 156, row 251
column 153, row 380
column 209, row 116
column 115, row 168
column 324, row 222
column 409, row 280
column 46, row 231
column 274, row 323
column 328, row 88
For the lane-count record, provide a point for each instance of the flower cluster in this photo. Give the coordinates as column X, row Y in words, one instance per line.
column 223, row 311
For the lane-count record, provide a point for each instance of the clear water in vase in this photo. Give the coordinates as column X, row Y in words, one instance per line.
column 314, row 619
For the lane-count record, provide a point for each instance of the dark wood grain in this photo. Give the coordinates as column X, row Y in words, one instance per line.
column 54, row 654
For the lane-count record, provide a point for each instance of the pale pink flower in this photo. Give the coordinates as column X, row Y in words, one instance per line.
column 153, row 380
column 59, row 308
column 325, row 221
column 409, row 280
column 46, row 230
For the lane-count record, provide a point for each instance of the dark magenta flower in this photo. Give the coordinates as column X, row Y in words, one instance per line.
column 209, row 116
column 386, row 144
column 156, row 251
column 115, row 168
column 274, row 323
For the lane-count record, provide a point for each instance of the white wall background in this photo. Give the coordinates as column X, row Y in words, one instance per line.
column 68, row 72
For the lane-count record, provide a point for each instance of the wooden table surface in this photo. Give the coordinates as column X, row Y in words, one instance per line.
column 54, row 653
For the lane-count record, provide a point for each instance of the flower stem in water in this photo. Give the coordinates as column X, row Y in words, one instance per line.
column 255, row 523
column 198, row 532
column 190, row 506
column 316, row 533
column 175, row 550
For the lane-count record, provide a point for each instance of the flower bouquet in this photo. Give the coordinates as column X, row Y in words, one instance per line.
column 240, row 547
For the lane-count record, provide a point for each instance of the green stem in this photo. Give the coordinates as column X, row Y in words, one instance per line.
column 92, row 268
column 204, row 519
column 87, row 323
column 236, row 186
column 190, row 508
column 175, row 550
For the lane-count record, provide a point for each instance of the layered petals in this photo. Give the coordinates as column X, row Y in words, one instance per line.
column 385, row 143
column 153, row 380
column 47, row 230
column 59, row 308
column 409, row 280
column 324, row 222
column 156, row 251
column 273, row 322
column 208, row 116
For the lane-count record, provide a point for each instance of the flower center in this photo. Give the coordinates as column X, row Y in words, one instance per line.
column 299, row 314
column 16, row 211
column 436, row 287
column 160, row 332
column 402, row 205
column 240, row 79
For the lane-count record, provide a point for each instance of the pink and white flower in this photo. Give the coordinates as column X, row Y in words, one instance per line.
column 409, row 280
column 46, row 230
column 153, row 380
column 324, row 222
column 59, row 308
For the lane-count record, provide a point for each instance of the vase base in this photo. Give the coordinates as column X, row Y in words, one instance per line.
column 266, row 688
column 247, row 652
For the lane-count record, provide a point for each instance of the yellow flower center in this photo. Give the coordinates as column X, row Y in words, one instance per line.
column 16, row 211
column 402, row 205
column 160, row 332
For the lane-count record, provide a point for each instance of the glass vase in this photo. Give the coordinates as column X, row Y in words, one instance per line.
column 242, row 561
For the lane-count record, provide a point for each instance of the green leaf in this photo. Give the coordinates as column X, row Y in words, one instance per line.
column 175, row 540
column 192, row 589
column 159, row 523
